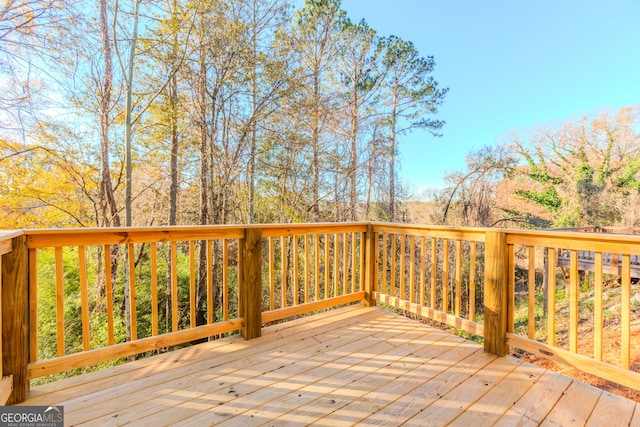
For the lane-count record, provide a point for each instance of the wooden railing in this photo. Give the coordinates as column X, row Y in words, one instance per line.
column 577, row 314
column 433, row 272
column 73, row 298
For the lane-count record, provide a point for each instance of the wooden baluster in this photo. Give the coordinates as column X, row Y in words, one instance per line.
column 108, row 281
column 412, row 269
column 458, row 291
column 84, row 298
column 423, row 268
column 472, row 282
column 434, row 273
column 573, row 302
column 132, row 292
column 272, row 289
column 551, row 297
column 626, row 311
column 154, row 288
column 597, row 315
column 445, row 275
column 531, row 287
column 192, row 283
column 60, row 346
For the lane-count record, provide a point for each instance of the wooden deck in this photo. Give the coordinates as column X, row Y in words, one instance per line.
column 349, row 366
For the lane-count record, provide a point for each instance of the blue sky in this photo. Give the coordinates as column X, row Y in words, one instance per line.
column 510, row 66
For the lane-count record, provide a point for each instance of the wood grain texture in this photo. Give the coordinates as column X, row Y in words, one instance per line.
column 349, row 366
column 15, row 318
column 251, row 283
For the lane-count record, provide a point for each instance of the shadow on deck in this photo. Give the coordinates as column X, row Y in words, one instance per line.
column 343, row 367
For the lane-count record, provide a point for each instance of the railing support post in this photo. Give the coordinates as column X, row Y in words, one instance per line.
column 495, row 293
column 370, row 265
column 15, row 318
column 251, row 283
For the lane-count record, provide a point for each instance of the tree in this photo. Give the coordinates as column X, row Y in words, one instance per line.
column 411, row 93
column 585, row 172
column 314, row 42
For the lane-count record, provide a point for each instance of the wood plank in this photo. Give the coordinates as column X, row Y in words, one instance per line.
column 252, row 376
column 387, row 383
column 635, row 421
column 78, row 360
column 297, row 330
column 372, row 370
column 50, row 238
column 532, row 408
column 574, row 407
column 296, row 310
column 346, row 366
column 611, row 410
column 457, row 367
column 6, row 387
column 490, row 407
column 443, row 232
column 455, row 402
column 604, row 370
column 429, row 313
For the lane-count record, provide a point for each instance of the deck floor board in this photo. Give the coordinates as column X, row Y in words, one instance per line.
column 352, row 366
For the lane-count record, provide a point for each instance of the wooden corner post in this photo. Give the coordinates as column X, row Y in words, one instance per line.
column 251, row 283
column 495, row 293
column 15, row 318
column 370, row 266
